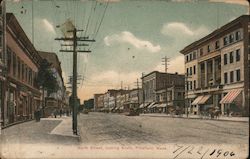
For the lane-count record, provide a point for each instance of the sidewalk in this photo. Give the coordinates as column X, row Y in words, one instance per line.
column 221, row 118
column 64, row 128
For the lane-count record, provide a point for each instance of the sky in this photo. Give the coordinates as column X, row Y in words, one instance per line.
column 132, row 37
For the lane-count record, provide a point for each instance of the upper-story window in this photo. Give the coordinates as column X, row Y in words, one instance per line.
column 238, row 55
column 225, row 40
column 194, row 69
column 231, row 38
column 187, row 72
column 191, row 57
column 217, row 44
column 194, row 55
column 238, row 75
column 237, row 35
column 201, row 51
column 225, row 59
column 190, row 69
column 231, row 57
column 232, row 76
column 208, row 48
column 186, row 58
column 225, row 78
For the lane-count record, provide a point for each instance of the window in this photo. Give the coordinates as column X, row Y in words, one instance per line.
column 237, row 35
column 231, row 57
column 201, row 51
column 191, row 84
column 231, row 38
column 187, row 85
column 238, row 55
column 194, row 69
column 194, row 84
column 225, row 59
column 225, row 78
column 187, row 72
column 238, row 75
column 208, row 48
column 194, row 55
column 191, row 57
column 225, row 40
column 14, row 65
column 190, row 69
column 187, row 58
column 217, row 44
column 232, row 76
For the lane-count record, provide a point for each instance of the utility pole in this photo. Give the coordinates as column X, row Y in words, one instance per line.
column 142, row 87
column 165, row 63
column 74, row 97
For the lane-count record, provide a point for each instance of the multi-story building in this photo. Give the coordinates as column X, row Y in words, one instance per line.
column 100, row 102
column 2, row 58
column 156, row 84
column 22, row 95
column 217, row 69
column 135, row 98
column 109, row 99
column 55, row 100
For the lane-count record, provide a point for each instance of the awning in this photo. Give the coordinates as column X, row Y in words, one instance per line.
column 204, row 99
column 163, row 105
column 196, row 101
column 143, row 105
column 229, row 98
column 151, row 104
column 155, row 105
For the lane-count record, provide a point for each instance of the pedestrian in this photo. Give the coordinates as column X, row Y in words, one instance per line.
column 55, row 113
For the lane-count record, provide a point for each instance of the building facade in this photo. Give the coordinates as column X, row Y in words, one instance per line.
column 156, row 84
column 2, row 59
column 22, row 95
column 217, row 70
column 55, row 100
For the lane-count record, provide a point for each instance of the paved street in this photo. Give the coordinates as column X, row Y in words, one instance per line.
column 121, row 129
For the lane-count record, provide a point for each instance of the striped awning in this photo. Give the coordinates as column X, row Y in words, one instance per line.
column 204, row 99
column 151, row 105
column 229, row 98
column 163, row 105
column 196, row 101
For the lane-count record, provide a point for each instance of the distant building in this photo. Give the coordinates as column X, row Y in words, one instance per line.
column 88, row 104
column 97, row 104
column 57, row 99
column 156, row 84
column 217, row 67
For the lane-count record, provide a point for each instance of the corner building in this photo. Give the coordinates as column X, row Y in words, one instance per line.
column 217, row 70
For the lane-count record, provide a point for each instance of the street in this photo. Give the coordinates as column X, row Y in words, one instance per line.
column 121, row 129
column 103, row 134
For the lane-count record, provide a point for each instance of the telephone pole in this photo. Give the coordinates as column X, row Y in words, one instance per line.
column 166, row 63
column 74, row 103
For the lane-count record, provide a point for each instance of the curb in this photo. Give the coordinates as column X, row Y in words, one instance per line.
column 16, row 123
column 196, row 118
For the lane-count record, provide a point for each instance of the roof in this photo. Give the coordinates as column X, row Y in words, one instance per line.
column 162, row 73
column 51, row 57
column 16, row 29
column 215, row 33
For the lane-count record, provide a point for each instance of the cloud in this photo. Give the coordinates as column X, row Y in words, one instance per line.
column 239, row 2
column 49, row 27
column 178, row 29
column 175, row 65
column 128, row 37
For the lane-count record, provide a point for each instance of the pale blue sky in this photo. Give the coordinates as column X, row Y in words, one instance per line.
column 134, row 35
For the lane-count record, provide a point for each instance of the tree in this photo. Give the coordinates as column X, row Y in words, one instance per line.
column 46, row 80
